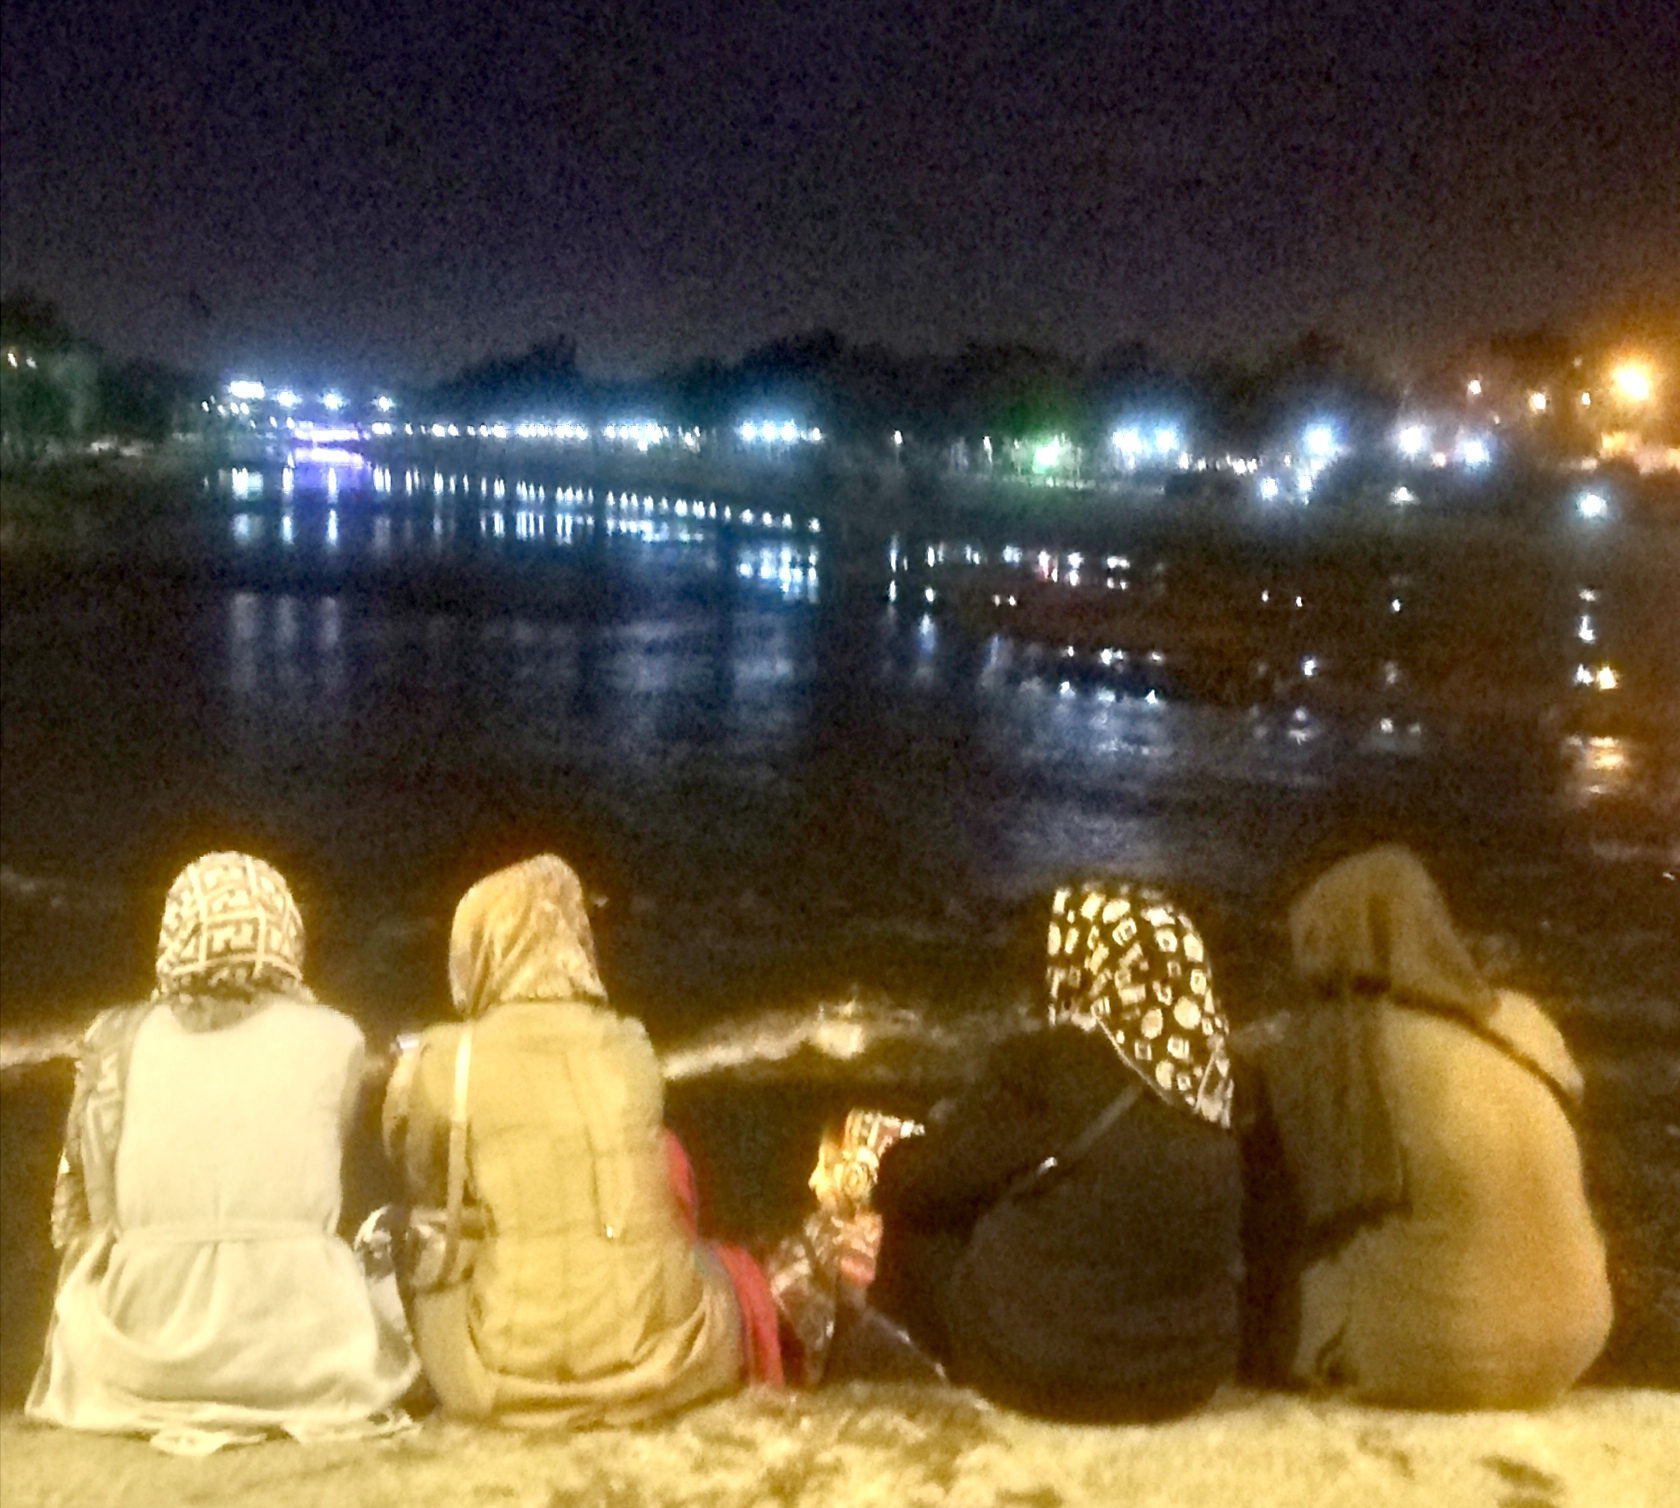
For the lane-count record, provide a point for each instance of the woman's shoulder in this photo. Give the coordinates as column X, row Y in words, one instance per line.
column 552, row 1026
column 315, row 1020
column 1523, row 1027
column 115, row 1024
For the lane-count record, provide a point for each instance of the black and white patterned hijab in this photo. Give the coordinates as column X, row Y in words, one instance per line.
column 1125, row 961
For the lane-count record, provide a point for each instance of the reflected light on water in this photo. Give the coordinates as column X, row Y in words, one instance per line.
column 1598, row 767
column 1600, row 677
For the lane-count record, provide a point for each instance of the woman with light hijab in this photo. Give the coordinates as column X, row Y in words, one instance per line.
column 204, row 1295
column 585, row 1297
column 1065, row 1237
column 1445, row 1254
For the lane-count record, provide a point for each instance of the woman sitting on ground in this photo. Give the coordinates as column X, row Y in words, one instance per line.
column 589, row 1299
column 204, row 1295
column 1066, row 1236
column 1444, row 1252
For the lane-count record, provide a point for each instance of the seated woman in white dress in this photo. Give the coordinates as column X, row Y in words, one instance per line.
column 204, row 1294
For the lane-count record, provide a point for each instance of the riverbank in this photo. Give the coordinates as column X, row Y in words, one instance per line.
column 860, row 1446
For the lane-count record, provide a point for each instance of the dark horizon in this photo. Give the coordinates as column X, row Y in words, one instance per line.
column 400, row 193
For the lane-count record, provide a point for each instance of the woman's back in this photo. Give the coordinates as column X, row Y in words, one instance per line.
column 237, row 1127
column 1124, row 1273
column 1497, row 1268
column 587, row 1301
column 1425, row 1119
column 1068, row 1235
column 204, row 1286
column 566, row 1155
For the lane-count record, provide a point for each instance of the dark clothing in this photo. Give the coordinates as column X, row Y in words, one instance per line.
column 1108, row 1292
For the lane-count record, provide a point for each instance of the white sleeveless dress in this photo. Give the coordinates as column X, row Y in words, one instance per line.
column 223, row 1300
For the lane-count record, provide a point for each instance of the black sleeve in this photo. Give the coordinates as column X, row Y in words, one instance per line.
column 1010, row 1118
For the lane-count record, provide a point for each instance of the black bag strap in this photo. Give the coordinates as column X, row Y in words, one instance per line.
column 1041, row 1175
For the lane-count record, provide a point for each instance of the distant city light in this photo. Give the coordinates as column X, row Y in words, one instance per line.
column 1537, row 402
column 1592, row 505
column 1586, row 400
column 1129, row 442
column 1320, row 441
column 1474, row 452
column 383, row 404
column 332, row 401
column 1047, row 456
column 1633, row 382
column 246, row 389
column 776, row 431
column 1474, row 387
column 286, row 398
column 1166, row 440
column 1413, row 440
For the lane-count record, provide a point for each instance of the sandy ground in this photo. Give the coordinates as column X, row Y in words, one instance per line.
column 865, row 1445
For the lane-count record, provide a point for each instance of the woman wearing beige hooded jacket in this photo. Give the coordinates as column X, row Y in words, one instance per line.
column 588, row 1300
column 1448, row 1257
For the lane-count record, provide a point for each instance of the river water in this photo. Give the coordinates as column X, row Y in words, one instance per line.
column 804, row 761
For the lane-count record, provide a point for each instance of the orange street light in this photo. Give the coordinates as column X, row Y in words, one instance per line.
column 1633, row 382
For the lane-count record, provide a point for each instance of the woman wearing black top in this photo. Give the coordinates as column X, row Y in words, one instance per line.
column 1066, row 1236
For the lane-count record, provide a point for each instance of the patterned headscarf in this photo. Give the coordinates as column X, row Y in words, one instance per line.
column 1126, row 962
column 231, row 933
column 523, row 934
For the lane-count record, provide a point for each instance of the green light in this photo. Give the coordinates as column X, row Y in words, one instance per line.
column 1048, row 456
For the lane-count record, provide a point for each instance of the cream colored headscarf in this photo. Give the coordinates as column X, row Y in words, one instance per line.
column 523, row 934
column 231, row 933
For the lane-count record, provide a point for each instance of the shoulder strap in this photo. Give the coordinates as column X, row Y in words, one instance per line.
column 1040, row 1175
column 1568, row 1100
column 457, row 1149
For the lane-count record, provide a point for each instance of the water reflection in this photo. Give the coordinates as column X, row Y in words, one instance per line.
column 1104, row 656
column 1599, row 766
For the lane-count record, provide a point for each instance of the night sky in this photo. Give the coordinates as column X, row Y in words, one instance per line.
column 399, row 188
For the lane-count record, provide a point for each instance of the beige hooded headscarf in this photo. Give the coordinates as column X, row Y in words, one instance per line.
column 1370, row 930
column 523, row 934
column 1376, row 924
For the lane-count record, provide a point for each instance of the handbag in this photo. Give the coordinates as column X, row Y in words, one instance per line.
column 439, row 1246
